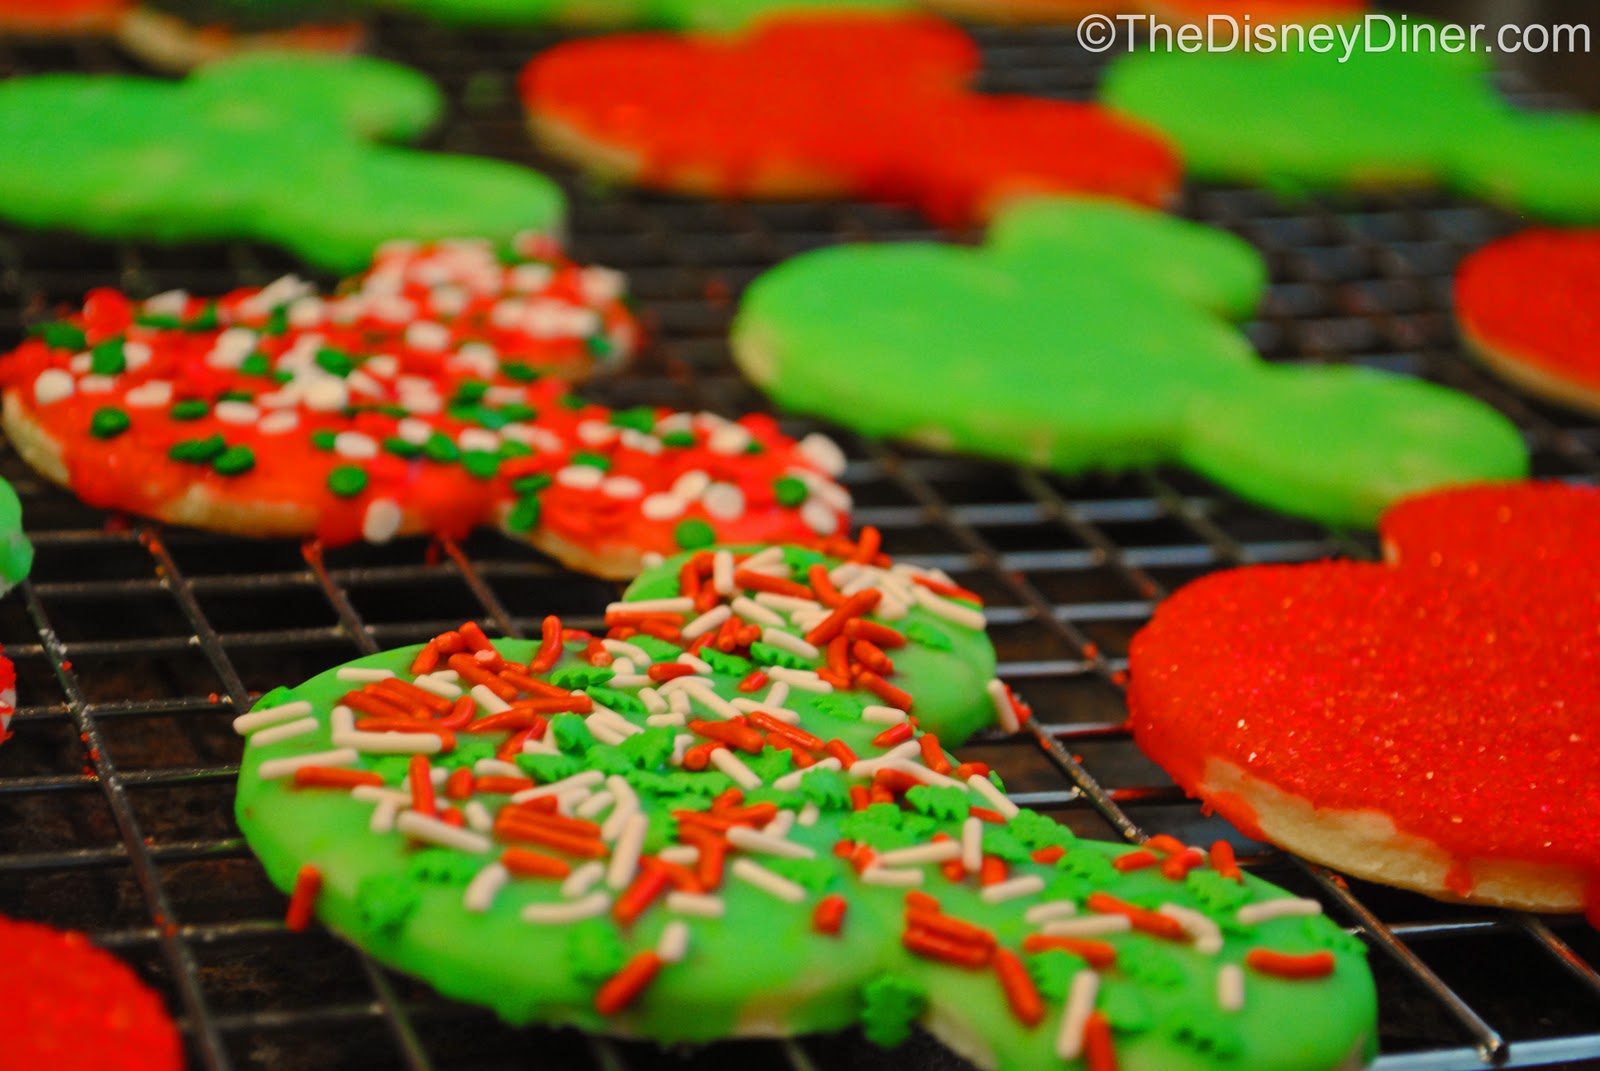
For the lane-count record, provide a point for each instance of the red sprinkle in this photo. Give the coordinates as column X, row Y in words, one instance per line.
column 1177, row 867
column 872, row 632
column 1098, row 954
column 1048, row 855
column 826, row 593
column 923, row 942
column 1021, row 993
column 828, row 917
column 648, row 884
column 993, row 871
column 1126, row 864
column 525, row 863
column 894, row 735
column 1151, row 922
column 857, row 605
column 1283, row 965
column 307, row 887
column 1165, row 844
column 459, row 784
column 549, row 645
column 421, row 776
column 773, row 585
column 841, row 751
column 892, row 696
column 1224, row 863
column 933, row 756
column 624, row 987
column 662, row 672
column 334, row 777
column 1098, row 1052
column 756, row 681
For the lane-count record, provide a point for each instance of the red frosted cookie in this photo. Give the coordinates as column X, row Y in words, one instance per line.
column 422, row 398
column 8, row 696
column 71, row 1007
column 1527, row 306
column 840, row 106
column 1428, row 722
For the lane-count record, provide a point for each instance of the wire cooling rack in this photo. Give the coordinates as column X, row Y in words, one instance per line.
column 136, row 645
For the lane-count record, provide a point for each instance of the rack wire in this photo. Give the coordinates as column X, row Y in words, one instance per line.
column 136, row 645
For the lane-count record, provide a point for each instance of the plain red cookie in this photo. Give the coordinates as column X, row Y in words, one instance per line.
column 1428, row 722
column 72, row 1007
column 841, row 105
column 1527, row 305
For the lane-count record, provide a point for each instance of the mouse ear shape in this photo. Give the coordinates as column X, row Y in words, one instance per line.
column 1495, row 526
column 1341, row 444
column 1540, row 165
column 1196, row 264
column 368, row 98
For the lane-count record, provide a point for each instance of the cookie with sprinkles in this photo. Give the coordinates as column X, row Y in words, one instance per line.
column 735, row 813
column 428, row 395
column 1427, row 722
column 179, row 34
column 8, row 696
column 72, row 1007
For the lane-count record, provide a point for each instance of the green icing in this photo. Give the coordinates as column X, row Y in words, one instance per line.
column 1053, row 972
column 927, row 635
column 945, row 804
column 1377, row 118
column 1087, row 335
column 732, row 665
column 761, row 966
column 16, row 553
column 294, row 149
column 1036, row 831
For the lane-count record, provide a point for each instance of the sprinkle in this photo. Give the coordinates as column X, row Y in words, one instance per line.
column 595, row 804
column 257, row 719
column 284, row 731
column 484, row 886
column 996, row 799
column 698, row 905
column 382, row 520
column 725, row 502
column 938, row 851
column 707, row 621
column 1013, row 888
column 787, row 641
column 624, row 649
column 756, row 614
column 1151, row 922
column 803, row 679
column 1282, row 965
column 433, row 831
column 921, row 773
column 822, row 452
column 752, row 840
column 431, row 682
column 1005, row 711
column 734, row 767
column 1075, row 1016
column 478, row 816
column 1230, row 987
column 273, row 769
column 1206, row 934
column 673, row 605
column 809, row 813
column 819, row 517
column 584, row 779
column 625, row 853
column 897, row 877
column 1097, row 954
column 972, row 845
column 791, row 780
column 392, row 743
column 1089, row 926
column 383, row 816
column 1049, row 911
column 560, row 913
column 303, row 901
column 52, row 385
column 584, row 878
column 786, row 603
column 1267, row 910
column 624, row 987
column 527, row 863
column 753, row 873
column 1021, row 993
column 363, row 673
column 627, row 807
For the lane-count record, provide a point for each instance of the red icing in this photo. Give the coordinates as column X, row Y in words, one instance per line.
column 844, row 105
column 60, row 14
column 1455, row 692
column 1531, row 297
column 71, row 1007
column 460, row 294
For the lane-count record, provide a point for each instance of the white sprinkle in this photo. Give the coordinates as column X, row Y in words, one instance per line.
column 477, row 816
column 627, row 806
column 791, row 780
column 668, row 721
column 286, row 731
column 972, row 845
column 680, row 744
column 787, row 641
column 426, row 335
column 379, row 794
column 555, row 914
column 582, row 879
column 996, row 799
column 596, row 432
column 809, row 813
column 707, row 621
column 585, row 779
column 691, row 485
column 696, row 904
column 673, row 944
column 725, row 502
column 273, row 769
column 722, row 574
column 488, row 700
column 625, row 852
column 786, row 603
column 728, row 439
column 697, row 664
column 622, row 487
column 167, row 303
column 1206, row 934
column 257, row 719
column 430, row 682
column 391, row 743
column 384, row 365
column 750, row 706
column 1089, row 926
column 781, row 825
column 595, row 804
column 702, row 694
column 949, row 609
column 819, row 517
column 1267, row 910
column 382, row 520
column 755, row 613
column 355, row 445
column 52, row 385
column 279, row 423
column 363, row 673
column 624, row 649
column 1080, row 1003
column 231, row 348
column 383, row 816
column 97, row 384
column 734, row 767
column 681, row 854
column 342, row 722
column 149, row 395
column 328, row 394
column 922, row 773
column 754, row 840
column 677, row 604
column 777, row 695
column 606, row 732
column 438, row 775
column 1049, row 911
column 1004, row 711
column 896, row 877
column 822, row 452
column 528, row 277
column 484, row 887
column 883, row 715
column 662, row 507
column 571, row 799
column 414, row 431
column 433, row 831
column 1230, row 987
column 1013, row 888
column 496, row 768
column 936, row 851
column 753, row 873
column 803, row 679
column 478, row 439
column 582, row 477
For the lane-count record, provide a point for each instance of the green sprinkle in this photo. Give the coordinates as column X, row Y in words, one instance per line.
column 324, row 439
column 694, row 534
column 205, row 320
column 106, row 359
column 516, row 411
column 197, row 451
column 678, row 438
column 234, row 461
column 790, row 491
column 767, row 655
column 531, row 484
column 510, row 448
column 439, row 448
column 732, row 665
column 592, row 459
column 277, row 321
column 189, row 409
column 640, row 418
column 524, row 516
column 161, row 323
column 599, row 345
column 256, row 364
column 282, row 375
column 347, row 481
column 401, row 447
column 573, row 402
column 480, row 463
column 236, row 396
column 108, row 423
column 519, row 371
column 470, row 392
column 59, row 335
column 754, row 448
column 334, row 363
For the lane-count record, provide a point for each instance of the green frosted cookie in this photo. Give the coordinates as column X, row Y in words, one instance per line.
column 279, row 148
column 741, row 841
column 16, row 553
column 1296, row 121
column 1086, row 335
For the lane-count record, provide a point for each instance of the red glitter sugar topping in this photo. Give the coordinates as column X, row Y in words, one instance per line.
column 1531, row 297
column 71, row 1007
column 1455, row 690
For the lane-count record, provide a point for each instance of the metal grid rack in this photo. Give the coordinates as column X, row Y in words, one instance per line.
column 136, row 645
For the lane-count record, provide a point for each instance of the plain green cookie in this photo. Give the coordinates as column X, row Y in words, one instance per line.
column 1087, row 335
column 281, row 148
column 1300, row 121
column 16, row 553
column 758, row 964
